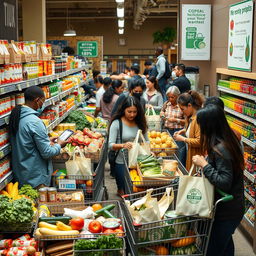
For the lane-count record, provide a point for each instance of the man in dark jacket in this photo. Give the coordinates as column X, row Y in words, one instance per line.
column 90, row 87
column 181, row 81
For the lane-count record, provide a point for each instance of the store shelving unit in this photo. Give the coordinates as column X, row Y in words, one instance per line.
column 247, row 226
column 5, row 150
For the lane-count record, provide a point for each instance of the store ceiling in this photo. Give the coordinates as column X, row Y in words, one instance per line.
column 138, row 10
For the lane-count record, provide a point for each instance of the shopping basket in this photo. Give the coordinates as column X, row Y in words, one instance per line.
column 93, row 186
column 58, row 210
column 147, row 239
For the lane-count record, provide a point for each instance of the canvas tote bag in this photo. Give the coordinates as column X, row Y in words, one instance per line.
column 138, row 149
column 153, row 121
column 195, row 196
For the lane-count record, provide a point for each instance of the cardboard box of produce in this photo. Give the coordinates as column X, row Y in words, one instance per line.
column 15, row 56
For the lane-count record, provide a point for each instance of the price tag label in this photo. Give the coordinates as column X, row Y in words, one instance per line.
column 67, row 184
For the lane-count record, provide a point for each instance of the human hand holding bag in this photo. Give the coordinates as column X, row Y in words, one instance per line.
column 195, row 196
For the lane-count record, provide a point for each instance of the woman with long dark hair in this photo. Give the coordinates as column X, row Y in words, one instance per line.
column 224, row 169
column 153, row 95
column 110, row 97
column 31, row 147
column 132, row 118
column 189, row 103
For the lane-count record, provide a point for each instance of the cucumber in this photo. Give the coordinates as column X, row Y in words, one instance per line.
column 53, row 220
column 106, row 208
column 108, row 214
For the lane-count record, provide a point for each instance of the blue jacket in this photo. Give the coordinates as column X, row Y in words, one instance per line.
column 31, row 150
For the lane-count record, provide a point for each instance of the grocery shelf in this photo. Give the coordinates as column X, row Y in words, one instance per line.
column 5, row 119
column 248, row 221
column 248, row 142
column 250, row 176
column 237, row 93
column 5, row 150
column 252, row 200
column 231, row 72
column 242, row 116
column 18, row 86
column 5, row 180
column 60, row 119
column 53, row 100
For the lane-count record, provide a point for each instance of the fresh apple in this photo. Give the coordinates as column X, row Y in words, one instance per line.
column 95, row 226
column 119, row 231
column 77, row 223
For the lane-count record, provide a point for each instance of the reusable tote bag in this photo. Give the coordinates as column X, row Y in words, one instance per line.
column 195, row 196
column 153, row 121
column 138, row 149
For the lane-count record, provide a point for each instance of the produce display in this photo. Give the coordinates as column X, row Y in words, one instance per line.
column 90, row 247
column 79, row 118
column 87, row 222
column 161, row 143
column 15, row 214
column 22, row 246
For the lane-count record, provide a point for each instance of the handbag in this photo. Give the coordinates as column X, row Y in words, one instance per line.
column 195, row 196
column 112, row 154
column 153, row 121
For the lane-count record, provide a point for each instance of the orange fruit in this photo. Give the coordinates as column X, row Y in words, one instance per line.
column 161, row 250
column 89, row 183
column 96, row 207
column 153, row 134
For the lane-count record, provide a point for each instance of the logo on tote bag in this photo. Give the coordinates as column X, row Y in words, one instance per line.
column 194, row 196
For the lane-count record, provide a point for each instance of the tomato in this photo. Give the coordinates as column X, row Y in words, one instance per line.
column 95, row 226
column 77, row 223
column 121, row 227
column 109, row 231
column 119, row 232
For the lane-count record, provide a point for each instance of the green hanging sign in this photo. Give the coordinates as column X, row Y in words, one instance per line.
column 87, row 49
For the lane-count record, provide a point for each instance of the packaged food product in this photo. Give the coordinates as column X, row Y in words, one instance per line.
column 43, row 194
column 52, row 192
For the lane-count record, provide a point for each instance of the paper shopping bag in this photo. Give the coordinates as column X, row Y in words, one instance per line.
column 137, row 149
column 165, row 202
column 84, row 164
column 154, row 120
column 72, row 166
column 195, row 196
column 144, row 210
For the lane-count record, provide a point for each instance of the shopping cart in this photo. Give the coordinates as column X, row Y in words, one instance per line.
column 157, row 238
column 93, row 186
column 58, row 210
column 132, row 186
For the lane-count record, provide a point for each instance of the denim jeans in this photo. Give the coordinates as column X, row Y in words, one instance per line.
column 162, row 84
column 119, row 175
column 181, row 154
column 221, row 241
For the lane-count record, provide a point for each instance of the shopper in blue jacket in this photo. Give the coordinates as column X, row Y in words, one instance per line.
column 31, row 147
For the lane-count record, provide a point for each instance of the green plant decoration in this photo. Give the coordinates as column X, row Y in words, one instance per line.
column 166, row 36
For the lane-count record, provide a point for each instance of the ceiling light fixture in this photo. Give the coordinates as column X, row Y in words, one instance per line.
column 120, row 12
column 120, row 31
column 121, row 23
column 119, row 1
column 69, row 31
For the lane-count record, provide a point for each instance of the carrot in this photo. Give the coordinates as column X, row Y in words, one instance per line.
column 183, row 242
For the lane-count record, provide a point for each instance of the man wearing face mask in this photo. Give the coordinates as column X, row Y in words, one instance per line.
column 181, row 81
column 136, row 89
column 31, row 147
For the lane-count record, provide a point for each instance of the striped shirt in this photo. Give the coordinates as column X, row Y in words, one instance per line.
column 171, row 111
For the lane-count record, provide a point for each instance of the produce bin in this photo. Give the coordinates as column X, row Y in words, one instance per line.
column 144, row 239
column 133, row 186
column 58, row 210
column 106, row 252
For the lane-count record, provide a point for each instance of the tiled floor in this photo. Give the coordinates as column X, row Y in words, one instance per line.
column 243, row 247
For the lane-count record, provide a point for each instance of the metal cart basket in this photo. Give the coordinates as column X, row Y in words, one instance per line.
column 146, row 239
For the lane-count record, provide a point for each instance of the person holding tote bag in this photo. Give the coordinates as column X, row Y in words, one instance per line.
column 189, row 103
column 132, row 116
column 224, row 169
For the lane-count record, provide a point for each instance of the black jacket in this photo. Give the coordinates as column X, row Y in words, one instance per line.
column 182, row 83
column 220, row 173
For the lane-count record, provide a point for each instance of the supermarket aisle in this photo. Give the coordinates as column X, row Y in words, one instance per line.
column 243, row 247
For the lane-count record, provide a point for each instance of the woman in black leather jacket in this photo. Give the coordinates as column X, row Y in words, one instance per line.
column 223, row 167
